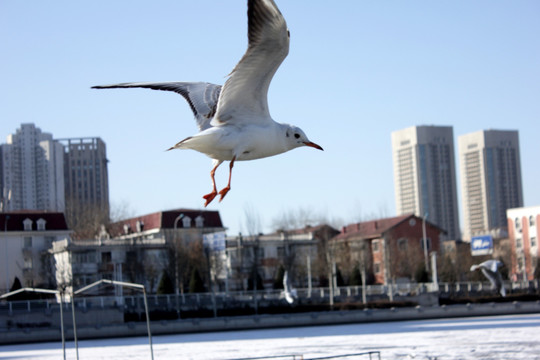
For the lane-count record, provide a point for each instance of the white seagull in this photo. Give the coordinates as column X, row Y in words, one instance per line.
column 233, row 120
column 490, row 270
column 288, row 292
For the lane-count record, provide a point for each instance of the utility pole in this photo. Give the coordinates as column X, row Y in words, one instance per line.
column 424, row 239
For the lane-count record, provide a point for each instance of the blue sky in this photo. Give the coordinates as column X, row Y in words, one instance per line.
column 356, row 71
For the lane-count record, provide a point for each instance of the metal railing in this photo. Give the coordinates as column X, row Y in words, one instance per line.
column 369, row 354
column 231, row 299
column 363, row 354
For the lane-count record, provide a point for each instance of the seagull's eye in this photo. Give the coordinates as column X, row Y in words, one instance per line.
column 296, row 136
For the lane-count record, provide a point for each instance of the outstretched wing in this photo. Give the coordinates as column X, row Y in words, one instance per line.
column 202, row 97
column 244, row 95
column 491, row 265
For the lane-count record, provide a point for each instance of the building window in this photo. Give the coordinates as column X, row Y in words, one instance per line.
column 49, row 240
column 27, row 225
column 532, row 221
column 28, row 263
column 280, row 252
column 199, row 221
column 377, row 268
column 375, row 245
column 402, row 244
column 186, row 222
column 428, row 242
column 519, row 243
column 533, row 241
column 106, row 257
column 28, row 242
column 41, row 224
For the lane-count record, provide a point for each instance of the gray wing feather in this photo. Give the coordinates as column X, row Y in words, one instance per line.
column 246, row 89
column 202, row 97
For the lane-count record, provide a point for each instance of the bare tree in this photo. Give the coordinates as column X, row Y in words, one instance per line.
column 86, row 219
column 197, row 258
column 252, row 220
column 253, row 227
column 151, row 270
column 404, row 256
column 121, row 210
column 133, row 266
column 295, row 219
column 359, row 215
column 179, row 263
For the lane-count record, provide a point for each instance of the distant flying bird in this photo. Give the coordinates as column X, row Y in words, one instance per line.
column 288, row 292
column 234, row 120
column 490, row 270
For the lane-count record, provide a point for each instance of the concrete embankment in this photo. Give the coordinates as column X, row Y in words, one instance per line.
column 14, row 336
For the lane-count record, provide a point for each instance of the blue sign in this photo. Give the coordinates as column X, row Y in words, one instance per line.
column 481, row 245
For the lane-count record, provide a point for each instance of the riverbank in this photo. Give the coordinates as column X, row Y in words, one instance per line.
column 29, row 335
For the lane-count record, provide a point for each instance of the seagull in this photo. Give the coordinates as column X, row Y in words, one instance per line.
column 233, row 120
column 288, row 292
column 490, row 270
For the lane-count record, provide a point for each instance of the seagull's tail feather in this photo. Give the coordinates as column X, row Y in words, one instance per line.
column 180, row 145
column 202, row 97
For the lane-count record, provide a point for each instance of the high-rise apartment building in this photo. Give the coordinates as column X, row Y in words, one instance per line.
column 425, row 176
column 490, row 171
column 86, row 175
column 32, row 171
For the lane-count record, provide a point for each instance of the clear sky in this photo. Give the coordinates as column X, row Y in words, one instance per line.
column 357, row 70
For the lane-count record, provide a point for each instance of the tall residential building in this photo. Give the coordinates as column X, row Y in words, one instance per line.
column 32, row 171
column 425, row 175
column 86, row 175
column 490, row 174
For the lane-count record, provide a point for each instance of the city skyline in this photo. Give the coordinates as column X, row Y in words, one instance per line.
column 369, row 69
column 424, row 160
column 70, row 175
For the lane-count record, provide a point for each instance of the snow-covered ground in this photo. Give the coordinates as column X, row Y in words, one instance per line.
column 498, row 337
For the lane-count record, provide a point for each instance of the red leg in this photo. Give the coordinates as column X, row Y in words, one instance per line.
column 226, row 189
column 212, row 195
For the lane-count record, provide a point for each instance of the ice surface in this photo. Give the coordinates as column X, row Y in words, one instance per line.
column 498, row 337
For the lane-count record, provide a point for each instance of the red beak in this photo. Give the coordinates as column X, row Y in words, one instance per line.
column 313, row 145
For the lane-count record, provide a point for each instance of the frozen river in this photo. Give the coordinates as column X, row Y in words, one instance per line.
column 496, row 337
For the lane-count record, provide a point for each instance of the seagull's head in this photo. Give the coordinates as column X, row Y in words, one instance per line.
column 295, row 137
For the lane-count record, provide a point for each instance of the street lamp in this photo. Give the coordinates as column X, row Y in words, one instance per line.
column 176, row 262
column 116, row 283
column 58, row 296
column 424, row 239
column 6, row 218
column 178, row 218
